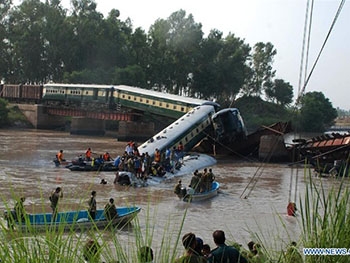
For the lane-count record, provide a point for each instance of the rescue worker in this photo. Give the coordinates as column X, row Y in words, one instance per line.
column 60, row 156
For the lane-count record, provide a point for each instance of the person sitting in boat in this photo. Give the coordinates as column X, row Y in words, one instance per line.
column 107, row 157
column 60, row 156
column 88, row 154
column 110, row 211
column 98, row 161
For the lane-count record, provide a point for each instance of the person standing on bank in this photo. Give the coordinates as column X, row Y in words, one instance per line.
column 54, row 198
column 92, row 205
column 223, row 253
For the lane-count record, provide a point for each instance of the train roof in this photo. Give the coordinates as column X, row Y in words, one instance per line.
column 148, row 92
column 179, row 128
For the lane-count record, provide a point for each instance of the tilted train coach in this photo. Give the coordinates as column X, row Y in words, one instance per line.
column 96, row 97
column 111, row 97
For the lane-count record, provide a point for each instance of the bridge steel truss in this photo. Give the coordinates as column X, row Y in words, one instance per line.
column 114, row 116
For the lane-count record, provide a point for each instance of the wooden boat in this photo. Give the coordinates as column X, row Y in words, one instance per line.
column 190, row 196
column 72, row 220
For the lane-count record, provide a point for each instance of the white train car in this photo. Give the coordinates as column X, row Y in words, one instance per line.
column 190, row 129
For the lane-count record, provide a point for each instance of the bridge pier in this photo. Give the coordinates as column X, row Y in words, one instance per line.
column 37, row 116
column 87, row 126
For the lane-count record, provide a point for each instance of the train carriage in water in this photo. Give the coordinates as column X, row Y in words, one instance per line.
column 190, row 129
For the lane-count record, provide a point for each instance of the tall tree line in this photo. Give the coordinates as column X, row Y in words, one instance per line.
column 43, row 41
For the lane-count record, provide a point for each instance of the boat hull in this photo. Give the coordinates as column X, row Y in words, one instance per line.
column 197, row 197
column 74, row 220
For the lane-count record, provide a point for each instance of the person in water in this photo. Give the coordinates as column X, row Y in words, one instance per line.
column 291, row 209
column 60, row 156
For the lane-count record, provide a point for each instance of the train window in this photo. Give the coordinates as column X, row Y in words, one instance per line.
column 147, row 101
column 182, row 109
column 123, row 96
column 129, row 98
column 197, row 130
column 153, row 102
column 140, row 99
column 135, row 98
column 167, row 105
column 160, row 104
column 87, row 93
column 174, row 107
column 186, row 139
column 192, row 134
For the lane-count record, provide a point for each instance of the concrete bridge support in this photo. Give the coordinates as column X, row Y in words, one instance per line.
column 37, row 116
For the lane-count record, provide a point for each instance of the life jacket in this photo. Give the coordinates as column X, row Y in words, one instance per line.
column 157, row 156
column 291, row 209
column 88, row 154
column 106, row 157
column 60, row 156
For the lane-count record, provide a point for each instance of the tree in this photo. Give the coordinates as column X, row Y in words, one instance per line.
column 316, row 112
column 232, row 68
column 261, row 69
column 280, row 92
column 4, row 45
column 26, row 26
column 176, row 43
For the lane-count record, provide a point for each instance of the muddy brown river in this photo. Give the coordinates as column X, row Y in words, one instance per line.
column 27, row 169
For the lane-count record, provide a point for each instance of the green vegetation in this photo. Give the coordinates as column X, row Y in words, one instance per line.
column 11, row 116
column 4, row 118
column 257, row 112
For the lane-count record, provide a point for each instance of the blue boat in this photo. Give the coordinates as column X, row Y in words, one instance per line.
column 191, row 196
column 72, row 220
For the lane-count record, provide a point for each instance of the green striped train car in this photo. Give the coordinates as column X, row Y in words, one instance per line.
column 155, row 102
column 88, row 95
column 79, row 95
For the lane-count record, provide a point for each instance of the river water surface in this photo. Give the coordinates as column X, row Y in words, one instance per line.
column 27, row 169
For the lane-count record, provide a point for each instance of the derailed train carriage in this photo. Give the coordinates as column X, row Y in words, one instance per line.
column 196, row 119
column 114, row 97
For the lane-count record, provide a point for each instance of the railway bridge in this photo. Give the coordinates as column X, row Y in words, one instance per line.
column 134, row 113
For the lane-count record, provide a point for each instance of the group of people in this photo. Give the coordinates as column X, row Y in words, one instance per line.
column 200, row 182
column 142, row 165
column 198, row 252
column 110, row 210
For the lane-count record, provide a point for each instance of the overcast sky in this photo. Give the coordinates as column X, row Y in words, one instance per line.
column 280, row 22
